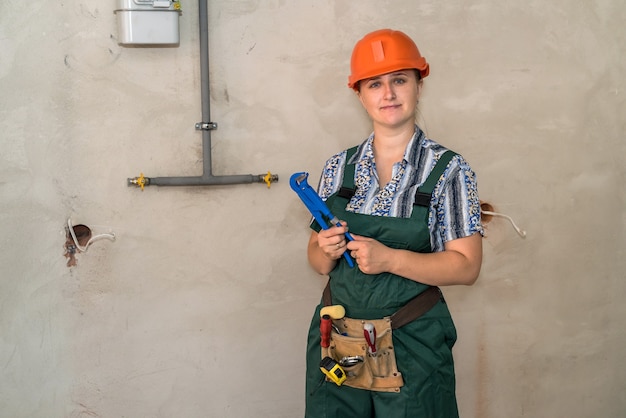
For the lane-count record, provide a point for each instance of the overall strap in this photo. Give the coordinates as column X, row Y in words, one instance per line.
column 347, row 184
column 327, row 297
column 425, row 191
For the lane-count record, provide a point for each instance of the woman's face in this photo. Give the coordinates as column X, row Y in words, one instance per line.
column 391, row 99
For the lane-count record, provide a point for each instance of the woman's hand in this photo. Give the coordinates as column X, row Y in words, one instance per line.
column 371, row 256
column 459, row 263
column 332, row 241
column 326, row 247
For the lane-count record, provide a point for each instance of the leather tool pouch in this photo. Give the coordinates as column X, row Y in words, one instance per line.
column 377, row 373
column 380, row 372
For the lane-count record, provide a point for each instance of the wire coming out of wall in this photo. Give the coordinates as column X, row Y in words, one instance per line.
column 488, row 213
column 78, row 239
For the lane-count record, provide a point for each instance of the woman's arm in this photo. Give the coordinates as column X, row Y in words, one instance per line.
column 459, row 263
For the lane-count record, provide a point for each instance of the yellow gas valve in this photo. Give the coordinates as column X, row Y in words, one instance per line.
column 140, row 181
column 269, row 178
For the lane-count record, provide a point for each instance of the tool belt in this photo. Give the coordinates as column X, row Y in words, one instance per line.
column 374, row 372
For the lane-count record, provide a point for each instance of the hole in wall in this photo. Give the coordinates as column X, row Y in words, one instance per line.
column 83, row 235
column 484, row 206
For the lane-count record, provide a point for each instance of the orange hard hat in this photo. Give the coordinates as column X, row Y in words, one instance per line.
column 384, row 51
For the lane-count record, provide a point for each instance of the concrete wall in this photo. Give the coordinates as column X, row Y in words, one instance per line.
column 200, row 306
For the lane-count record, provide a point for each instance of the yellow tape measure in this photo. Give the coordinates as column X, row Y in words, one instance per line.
column 333, row 370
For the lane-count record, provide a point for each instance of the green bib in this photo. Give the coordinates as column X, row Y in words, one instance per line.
column 370, row 296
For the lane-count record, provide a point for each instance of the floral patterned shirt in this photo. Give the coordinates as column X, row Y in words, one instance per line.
column 454, row 209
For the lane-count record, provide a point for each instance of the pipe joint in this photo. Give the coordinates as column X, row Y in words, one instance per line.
column 206, row 126
column 268, row 178
column 140, row 181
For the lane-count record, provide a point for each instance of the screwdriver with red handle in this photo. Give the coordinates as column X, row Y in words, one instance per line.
column 370, row 336
column 325, row 327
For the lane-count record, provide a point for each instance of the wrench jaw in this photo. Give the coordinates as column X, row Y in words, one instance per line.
column 302, row 178
column 298, row 181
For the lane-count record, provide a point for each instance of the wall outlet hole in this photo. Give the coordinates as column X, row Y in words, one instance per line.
column 484, row 206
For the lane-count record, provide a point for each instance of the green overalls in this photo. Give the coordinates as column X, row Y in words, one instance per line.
column 422, row 347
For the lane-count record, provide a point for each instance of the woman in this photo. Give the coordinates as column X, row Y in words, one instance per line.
column 413, row 212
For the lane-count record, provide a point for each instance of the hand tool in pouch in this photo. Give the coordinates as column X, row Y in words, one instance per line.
column 335, row 311
column 317, row 206
column 325, row 326
column 370, row 336
column 333, row 370
column 369, row 332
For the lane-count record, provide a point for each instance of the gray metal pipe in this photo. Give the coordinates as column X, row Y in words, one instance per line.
column 207, row 178
column 205, row 86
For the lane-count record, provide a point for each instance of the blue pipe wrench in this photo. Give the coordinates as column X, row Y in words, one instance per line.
column 317, row 206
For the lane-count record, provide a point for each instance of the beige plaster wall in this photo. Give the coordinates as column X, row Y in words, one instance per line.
column 200, row 307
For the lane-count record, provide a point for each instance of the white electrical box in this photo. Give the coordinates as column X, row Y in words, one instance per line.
column 148, row 22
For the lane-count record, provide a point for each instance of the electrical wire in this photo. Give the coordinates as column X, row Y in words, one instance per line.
column 91, row 240
column 519, row 231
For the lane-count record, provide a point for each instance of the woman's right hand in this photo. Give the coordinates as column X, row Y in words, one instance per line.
column 332, row 241
column 326, row 247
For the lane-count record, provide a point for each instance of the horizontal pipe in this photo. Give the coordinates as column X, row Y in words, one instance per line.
column 205, row 180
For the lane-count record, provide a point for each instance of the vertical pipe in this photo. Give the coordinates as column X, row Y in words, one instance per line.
column 205, row 87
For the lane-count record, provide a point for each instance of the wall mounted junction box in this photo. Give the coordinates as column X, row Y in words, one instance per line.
column 148, row 22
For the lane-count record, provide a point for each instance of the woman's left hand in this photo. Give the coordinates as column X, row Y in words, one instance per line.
column 370, row 255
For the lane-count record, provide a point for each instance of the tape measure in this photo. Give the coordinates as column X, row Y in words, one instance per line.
column 333, row 370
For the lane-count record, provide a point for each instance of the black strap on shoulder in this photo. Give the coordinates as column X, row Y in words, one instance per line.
column 347, row 185
column 422, row 199
column 346, row 193
column 425, row 191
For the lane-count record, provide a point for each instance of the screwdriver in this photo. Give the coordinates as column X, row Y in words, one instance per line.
column 325, row 326
column 370, row 336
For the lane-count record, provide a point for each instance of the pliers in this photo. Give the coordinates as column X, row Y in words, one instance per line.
column 317, row 207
